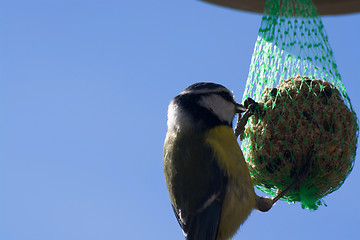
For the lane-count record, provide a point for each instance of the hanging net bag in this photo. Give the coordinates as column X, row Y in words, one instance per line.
column 304, row 131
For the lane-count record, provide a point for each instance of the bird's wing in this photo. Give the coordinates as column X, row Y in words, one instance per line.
column 200, row 198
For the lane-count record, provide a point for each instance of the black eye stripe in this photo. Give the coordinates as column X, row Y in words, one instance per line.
column 227, row 96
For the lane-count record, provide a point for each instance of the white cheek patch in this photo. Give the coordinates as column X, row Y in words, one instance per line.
column 177, row 115
column 225, row 110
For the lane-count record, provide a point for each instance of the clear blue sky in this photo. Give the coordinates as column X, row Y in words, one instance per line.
column 84, row 89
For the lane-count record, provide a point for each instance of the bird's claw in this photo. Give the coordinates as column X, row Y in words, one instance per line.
column 251, row 107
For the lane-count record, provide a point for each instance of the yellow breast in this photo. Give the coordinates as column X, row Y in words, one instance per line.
column 240, row 196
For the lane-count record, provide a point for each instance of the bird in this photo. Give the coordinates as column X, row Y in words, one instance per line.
column 208, row 181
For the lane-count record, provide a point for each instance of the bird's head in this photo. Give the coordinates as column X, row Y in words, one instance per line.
column 203, row 105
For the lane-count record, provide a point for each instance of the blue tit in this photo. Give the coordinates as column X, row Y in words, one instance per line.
column 205, row 171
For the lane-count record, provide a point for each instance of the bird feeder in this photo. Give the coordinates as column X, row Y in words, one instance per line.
column 305, row 132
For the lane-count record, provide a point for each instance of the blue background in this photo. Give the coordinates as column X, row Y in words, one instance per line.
column 84, row 89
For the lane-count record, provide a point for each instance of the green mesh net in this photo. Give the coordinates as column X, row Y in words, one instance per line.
column 306, row 130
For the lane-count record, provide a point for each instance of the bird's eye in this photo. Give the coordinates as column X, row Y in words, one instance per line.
column 227, row 96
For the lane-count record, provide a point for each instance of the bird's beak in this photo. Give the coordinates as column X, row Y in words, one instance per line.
column 240, row 108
